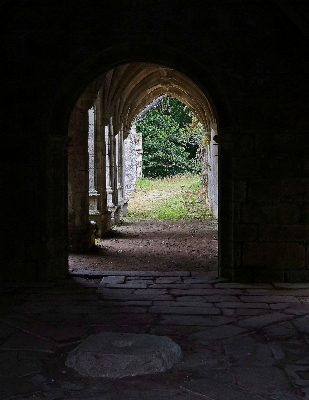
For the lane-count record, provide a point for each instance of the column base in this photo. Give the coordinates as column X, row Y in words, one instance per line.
column 103, row 223
column 81, row 238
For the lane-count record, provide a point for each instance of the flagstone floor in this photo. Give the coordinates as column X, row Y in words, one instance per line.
column 242, row 342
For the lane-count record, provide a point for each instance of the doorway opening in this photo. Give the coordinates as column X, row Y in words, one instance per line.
column 100, row 125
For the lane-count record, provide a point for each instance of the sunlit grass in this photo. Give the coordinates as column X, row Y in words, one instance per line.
column 181, row 197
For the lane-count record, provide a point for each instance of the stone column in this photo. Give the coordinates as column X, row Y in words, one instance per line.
column 101, row 215
column 227, row 250
column 111, row 173
column 81, row 235
column 122, row 202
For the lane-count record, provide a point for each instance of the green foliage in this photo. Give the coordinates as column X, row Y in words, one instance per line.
column 181, row 197
column 171, row 137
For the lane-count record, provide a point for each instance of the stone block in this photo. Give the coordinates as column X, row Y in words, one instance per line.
column 303, row 212
column 277, row 213
column 116, row 355
column 246, row 167
column 273, row 166
column 245, row 232
column 244, row 145
column 112, row 279
column 280, row 189
column 281, row 255
column 240, row 190
column 291, row 143
column 288, row 233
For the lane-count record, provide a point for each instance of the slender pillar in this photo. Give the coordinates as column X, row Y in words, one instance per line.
column 100, row 213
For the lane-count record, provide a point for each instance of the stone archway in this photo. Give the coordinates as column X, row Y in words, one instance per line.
column 140, row 100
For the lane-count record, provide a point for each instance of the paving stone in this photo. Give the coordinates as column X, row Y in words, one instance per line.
column 119, row 318
column 5, row 330
column 257, row 380
column 263, row 320
column 128, row 285
column 194, row 292
column 185, row 310
column 221, row 298
column 212, row 389
column 23, row 341
column 302, row 324
column 114, row 293
column 72, row 386
column 115, row 355
column 175, row 279
column 281, row 331
column 167, row 393
column 150, row 291
column 297, row 309
column 241, row 305
column 189, row 298
column 197, row 280
column 269, row 299
column 144, row 273
column 277, row 350
column 175, row 286
column 33, row 307
column 279, row 306
column 299, row 373
column 199, row 304
column 204, row 274
column 220, row 332
column 240, row 349
column 228, row 311
column 251, row 311
column 244, row 285
column 11, row 388
column 86, row 272
column 283, row 285
column 294, row 349
column 203, row 356
column 112, row 279
column 194, row 320
column 152, row 297
column 145, row 303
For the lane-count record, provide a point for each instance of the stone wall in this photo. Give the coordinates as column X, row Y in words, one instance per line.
column 251, row 58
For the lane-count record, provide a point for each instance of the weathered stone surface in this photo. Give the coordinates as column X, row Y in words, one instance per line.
column 115, row 355
column 207, row 310
column 263, row 320
column 23, row 341
column 219, row 332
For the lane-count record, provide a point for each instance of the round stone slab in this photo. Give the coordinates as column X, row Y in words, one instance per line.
column 115, row 355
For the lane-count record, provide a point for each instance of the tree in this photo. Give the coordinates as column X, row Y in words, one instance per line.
column 171, row 138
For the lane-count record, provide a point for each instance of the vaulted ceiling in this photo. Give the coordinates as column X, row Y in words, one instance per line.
column 127, row 89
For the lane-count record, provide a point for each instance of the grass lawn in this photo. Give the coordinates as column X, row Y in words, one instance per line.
column 181, row 197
